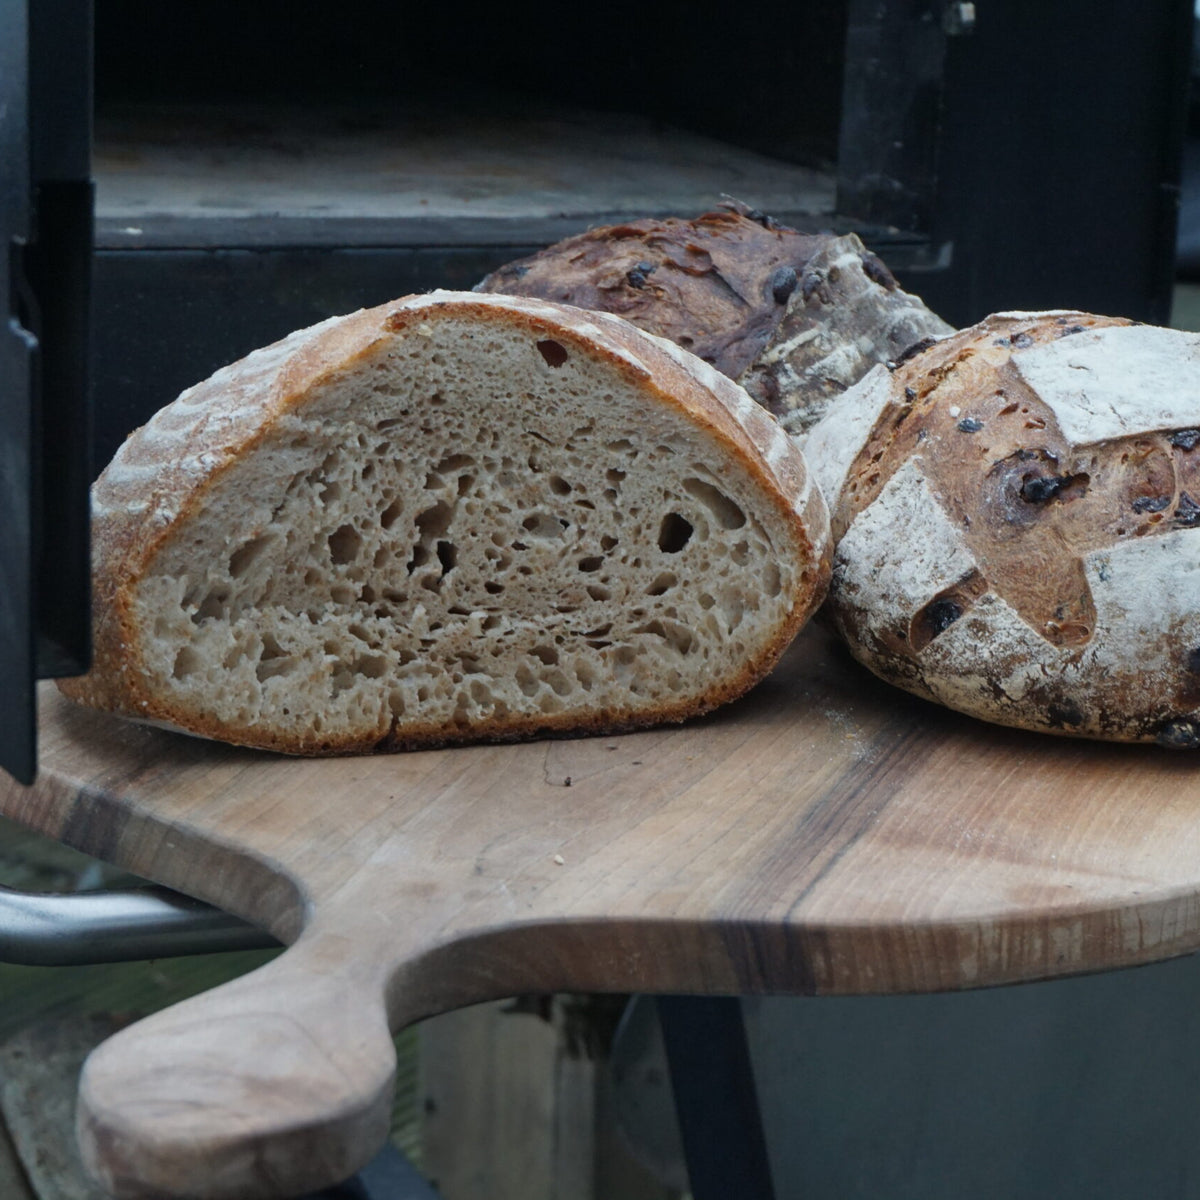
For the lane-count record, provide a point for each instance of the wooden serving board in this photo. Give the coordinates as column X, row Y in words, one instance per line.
column 825, row 835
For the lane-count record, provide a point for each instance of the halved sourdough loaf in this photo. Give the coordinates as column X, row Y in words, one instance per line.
column 453, row 517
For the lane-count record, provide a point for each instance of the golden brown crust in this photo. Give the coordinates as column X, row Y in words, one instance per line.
column 1044, row 581
column 144, row 497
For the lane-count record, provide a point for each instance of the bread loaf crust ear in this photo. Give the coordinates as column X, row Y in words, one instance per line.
column 168, row 476
column 1018, row 515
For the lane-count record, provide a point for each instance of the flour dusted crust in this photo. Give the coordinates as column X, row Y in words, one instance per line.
column 1017, row 511
column 847, row 315
column 454, row 517
column 795, row 318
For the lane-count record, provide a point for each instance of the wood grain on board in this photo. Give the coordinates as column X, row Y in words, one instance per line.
column 825, row 835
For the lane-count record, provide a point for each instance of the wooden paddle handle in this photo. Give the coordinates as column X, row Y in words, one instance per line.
column 276, row 1084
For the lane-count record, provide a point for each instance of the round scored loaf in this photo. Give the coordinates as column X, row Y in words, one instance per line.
column 451, row 518
column 1016, row 511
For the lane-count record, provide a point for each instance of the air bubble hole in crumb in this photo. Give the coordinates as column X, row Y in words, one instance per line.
column 679, row 637
column 212, row 606
column 558, row 682
column 674, row 533
column 434, row 521
column 553, row 352
column 187, row 662
column 725, row 512
column 246, row 555
column 234, row 656
column 268, row 668
column 344, row 545
column 543, row 525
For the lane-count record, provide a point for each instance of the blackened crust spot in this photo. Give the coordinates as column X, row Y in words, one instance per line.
column 970, row 425
column 783, row 283
column 877, row 272
column 915, row 349
column 940, row 615
column 1065, row 712
column 1187, row 512
column 639, row 274
column 932, row 621
column 944, row 610
column 1041, row 489
column 553, row 352
column 1151, row 503
column 1180, row 734
column 1185, row 439
column 810, row 283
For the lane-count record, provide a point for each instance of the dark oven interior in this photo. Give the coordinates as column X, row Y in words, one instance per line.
column 261, row 166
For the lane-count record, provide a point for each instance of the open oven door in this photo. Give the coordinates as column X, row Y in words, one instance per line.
column 45, row 284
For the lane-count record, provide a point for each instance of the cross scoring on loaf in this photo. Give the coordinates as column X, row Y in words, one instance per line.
column 1001, row 467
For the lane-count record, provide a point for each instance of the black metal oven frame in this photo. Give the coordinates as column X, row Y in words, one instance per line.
column 45, row 430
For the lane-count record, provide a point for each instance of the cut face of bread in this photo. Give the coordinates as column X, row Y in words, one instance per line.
column 449, row 518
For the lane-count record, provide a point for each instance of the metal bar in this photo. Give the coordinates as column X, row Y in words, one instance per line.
column 715, row 1097
column 57, row 265
column 18, row 359
column 891, row 113
column 116, row 926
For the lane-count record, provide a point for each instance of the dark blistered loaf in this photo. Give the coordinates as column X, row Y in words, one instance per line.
column 795, row 318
